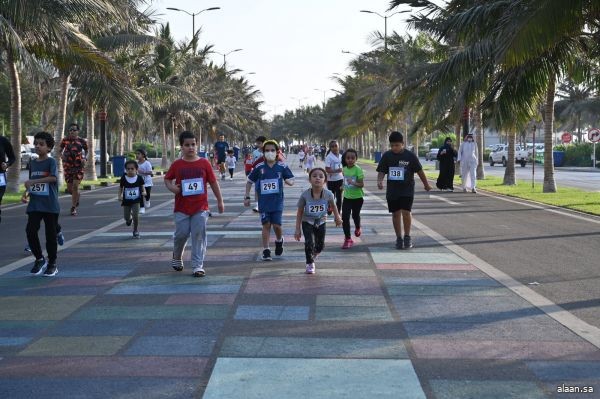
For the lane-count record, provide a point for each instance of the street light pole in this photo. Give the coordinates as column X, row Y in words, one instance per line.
column 385, row 18
column 194, row 21
column 225, row 56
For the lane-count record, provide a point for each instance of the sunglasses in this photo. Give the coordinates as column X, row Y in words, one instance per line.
column 270, row 150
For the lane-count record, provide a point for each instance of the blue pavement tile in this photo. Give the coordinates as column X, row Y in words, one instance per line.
column 14, row 341
column 25, row 328
column 260, row 312
column 171, row 346
column 290, row 347
column 175, row 289
column 53, row 291
column 208, row 328
column 450, row 389
column 76, row 328
column 95, row 273
column 99, row 388
column 381, row 313
column 565, row 370
column 271, row 378
column 470, row 282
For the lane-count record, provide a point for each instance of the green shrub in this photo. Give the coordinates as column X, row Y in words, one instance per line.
column 152, row 151
column 422, row 151
column 486, row 154
column 439, row 141
column 578, row 154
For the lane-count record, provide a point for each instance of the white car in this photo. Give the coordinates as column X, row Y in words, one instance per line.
column 500, row 155
column 27, row 154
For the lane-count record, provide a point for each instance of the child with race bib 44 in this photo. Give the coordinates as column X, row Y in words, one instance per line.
column 312, row 216
column 131, row 191
column 187, row 178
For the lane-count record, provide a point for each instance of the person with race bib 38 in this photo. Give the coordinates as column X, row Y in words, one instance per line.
column 311, row 217
column 187, row 178
column 269, row 178
column 400, row 166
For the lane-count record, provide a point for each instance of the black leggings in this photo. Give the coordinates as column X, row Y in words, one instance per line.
column 148, row 189
column 52, row 228
column 351, row 206
column 336, row 188
column 314, row 240
column 2, row 190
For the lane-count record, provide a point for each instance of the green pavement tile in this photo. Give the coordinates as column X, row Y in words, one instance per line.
column 353, row 313
column 40, row 307
column 269, row 378
column 350, row 300
column 24, row 282
column 327, row 272
column 75, row 346
column 207, row 312
column 175, row 279
column 290, row 347
column 396, row 256
column 450, row 389
column 406, row 290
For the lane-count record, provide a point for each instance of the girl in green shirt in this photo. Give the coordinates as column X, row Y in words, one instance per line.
column 353, row 196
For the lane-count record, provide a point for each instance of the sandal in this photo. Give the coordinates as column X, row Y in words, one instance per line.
column 73, row 211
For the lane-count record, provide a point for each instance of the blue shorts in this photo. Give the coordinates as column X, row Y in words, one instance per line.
column 271, row 217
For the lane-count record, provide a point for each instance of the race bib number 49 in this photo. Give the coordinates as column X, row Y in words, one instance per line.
column 2, row 179
column 269, row 186
column 40, row 189
column 192, row 187
column 396, row 173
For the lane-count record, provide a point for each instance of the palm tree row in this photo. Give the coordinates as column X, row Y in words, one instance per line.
column 85, row 56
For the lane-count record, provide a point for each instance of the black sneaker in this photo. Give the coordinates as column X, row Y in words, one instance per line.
column 279, row 247
column 60, row 238
column 128, row 222
column 407, row 242
column 39, row 266
column 399, row 243
column 199, row 273
column 177, row 264
column 51, row 270
column 266, row 255
column 136, row 234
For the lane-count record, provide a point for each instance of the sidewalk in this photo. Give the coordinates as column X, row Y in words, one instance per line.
column 374, row 322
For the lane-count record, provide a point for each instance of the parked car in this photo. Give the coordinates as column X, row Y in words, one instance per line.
column 27, row 154
column 97, row 156
column 431, row 154
column 500, row 155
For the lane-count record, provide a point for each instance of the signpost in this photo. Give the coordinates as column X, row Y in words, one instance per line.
column 594, row 137
column 566, row 137
column 103, row 160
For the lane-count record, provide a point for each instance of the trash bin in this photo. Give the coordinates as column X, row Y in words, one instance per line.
column 236, row 152
column 558, row 158
column 118, row 162
column 377, row 156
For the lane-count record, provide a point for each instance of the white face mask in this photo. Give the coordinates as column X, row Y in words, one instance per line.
column 270, row 156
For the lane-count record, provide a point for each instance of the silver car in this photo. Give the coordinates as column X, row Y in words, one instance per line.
column 27, row 155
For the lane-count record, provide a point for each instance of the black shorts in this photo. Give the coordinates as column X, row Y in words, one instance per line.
column 402, row 203
column 220, row 160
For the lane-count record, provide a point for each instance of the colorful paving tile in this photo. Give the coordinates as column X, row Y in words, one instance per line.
column 390, row 256
column 313, row 378
column 201, row 299
column 39, row 307
column 353, row 313
column 424, row 266
column 350, row 300
column 69, row 328
column 246, row 312
column 75, row 346
column 171, row 346
column 445, row 389
column 207, row 312
column 126, row 289
column 432, row 290
column 314, row 285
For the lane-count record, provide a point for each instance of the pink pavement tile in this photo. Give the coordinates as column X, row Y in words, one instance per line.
column 201, row 299
column 330, row 239
column 313, row 284
column 424, row 266
column 504, row 350
column 85, row 281
column 146, row 366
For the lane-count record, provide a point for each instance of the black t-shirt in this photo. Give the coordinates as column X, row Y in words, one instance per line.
column 400, row 170
column 6, row 151
column 132, row 192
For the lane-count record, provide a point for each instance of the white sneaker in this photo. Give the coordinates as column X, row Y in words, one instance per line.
column 310, row 268
column 147, row 204
column 142, row 210
column 474, row 191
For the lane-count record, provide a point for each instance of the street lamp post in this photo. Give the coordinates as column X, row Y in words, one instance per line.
column 324, row 91
column 385, row 18
column 193, row 20
column 225, row 56
column 299, row 100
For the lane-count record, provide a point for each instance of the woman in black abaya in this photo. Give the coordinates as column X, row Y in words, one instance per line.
column 445, row 156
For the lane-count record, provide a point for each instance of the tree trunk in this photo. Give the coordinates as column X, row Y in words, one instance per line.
column 509, row 172
column 477, row 122
column 549, row 182
column 65, row 79
column 173, row 155
column 12, row 175
column 90, row 166
column 457, row 128
column 164, row 163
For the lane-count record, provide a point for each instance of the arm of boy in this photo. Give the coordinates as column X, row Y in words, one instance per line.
column 47, row 179
column 216, row 189
column 298, row 232
column 424, row 180
column 172, row 186
column 120, row 196
column 247, row 194
column 380, row 177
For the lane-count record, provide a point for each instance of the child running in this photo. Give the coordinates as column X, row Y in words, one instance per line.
column 41, row 191
column 144, row 170
column 335, row 178
column 301, row 156
column 310, row 160
column 268, row 178
column 187, row 178
column 131, row 192
column 353, row 196
column 248, row 163
column 312, row 216
column 400, row 166
column 230, row 162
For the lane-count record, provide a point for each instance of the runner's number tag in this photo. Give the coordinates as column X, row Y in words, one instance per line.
column 40, row 189
column 2, row 179
column 132, row 193
column 316, row 209
column 396, row 173
column 192, row 187
column 349, row 182
column 269, row 186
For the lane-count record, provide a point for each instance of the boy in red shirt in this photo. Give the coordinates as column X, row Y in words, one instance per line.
column 187, row 178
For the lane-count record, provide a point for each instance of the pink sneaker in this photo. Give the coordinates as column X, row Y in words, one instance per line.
column 347, row 243
column 358, row 232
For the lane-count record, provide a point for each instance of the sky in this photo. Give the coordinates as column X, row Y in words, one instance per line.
column 292, row 46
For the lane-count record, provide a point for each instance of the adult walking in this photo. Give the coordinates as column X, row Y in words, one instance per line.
column 467, row 156
column 445, row 156
column 73, row 153
column 7, row 158
column 221, row 147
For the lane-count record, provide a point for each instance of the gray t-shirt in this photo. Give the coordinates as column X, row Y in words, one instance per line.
column 43, row 197
column 315, row 210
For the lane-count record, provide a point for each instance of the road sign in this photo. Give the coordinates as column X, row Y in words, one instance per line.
column 566, row 137
column 594, row 135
